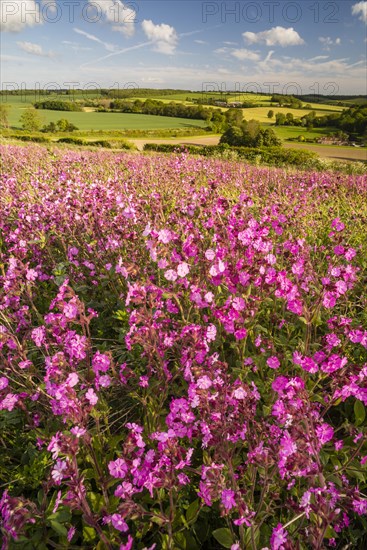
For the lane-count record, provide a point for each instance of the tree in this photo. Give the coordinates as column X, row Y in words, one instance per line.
column 4, row 115
column 62, row 125
column 269, row 138
column 279, row 119
column 234, row 116
column 217, row 121
column 233, row 136
column 270, row 113
column 30, row 120
column 51, row 127
column 249, row 134
column 252, row 128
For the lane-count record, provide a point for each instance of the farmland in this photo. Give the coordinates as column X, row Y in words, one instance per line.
column 93, row 125
column 183, row 346
column 87, row 121
column 102, row 121
column 143, row 128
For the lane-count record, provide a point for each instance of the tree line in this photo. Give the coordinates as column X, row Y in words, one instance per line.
column 59, row 105
column 250, row 134
column 352, row 120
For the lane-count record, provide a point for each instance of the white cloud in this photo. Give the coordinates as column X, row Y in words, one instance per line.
column 200, row 42
column 34, row 49
column 221, row 51
column 268, row 57
column 245, row 55
column 360, row 8
column 164, row 37
column 319, row 58
column 15, row 15
column 109, row 47
column 351, row 80
column 327, row 42
column 117, row 52
column 317, row 67
column 49, row 6
column 276, row 36
column 121, row 17
column 190, row 33
column 75, row 46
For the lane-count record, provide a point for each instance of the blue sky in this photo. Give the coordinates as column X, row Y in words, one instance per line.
column 271, row 45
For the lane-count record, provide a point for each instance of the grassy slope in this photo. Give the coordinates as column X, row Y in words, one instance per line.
column 286, row 132
column 107, row 121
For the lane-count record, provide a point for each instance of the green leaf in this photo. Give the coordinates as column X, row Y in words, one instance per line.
column 359, row 412
column 58, row 528
column 40, row 496
column 224, row 537
column 89, row 533
column 329, row 533
column 101, row 546
column 192, row 511
column 180, row 540
column 61, row 516
column 251, row 537
column 96, row 500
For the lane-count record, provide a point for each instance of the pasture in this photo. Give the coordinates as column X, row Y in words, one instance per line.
column 105, row 121
column 90, row 120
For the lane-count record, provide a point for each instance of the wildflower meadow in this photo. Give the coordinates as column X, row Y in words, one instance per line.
column 183, row 352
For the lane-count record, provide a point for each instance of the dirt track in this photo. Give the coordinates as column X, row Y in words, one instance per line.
column 331, row 152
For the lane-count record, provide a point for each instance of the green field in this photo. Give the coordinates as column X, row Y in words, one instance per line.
column 108, row 121
column 287, row 132
column 104, row 122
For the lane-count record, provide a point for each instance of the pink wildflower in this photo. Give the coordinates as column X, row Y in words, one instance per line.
column 228, row 499
column 278, row 538
column 273, row 362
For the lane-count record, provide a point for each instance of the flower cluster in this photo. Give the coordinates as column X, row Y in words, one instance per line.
column 183, row 351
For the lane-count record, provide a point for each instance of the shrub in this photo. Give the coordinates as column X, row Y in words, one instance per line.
column 101, row 143
column 58, row 105
column 73, row 141
column 272, row 156
column 26, row 137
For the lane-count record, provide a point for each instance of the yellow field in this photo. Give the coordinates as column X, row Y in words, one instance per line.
column 261, row 113
column 324, row 107
column 159, row 99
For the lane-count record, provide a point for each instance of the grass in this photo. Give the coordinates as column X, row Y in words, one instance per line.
column 261, row 113
column 356, row 101
column 105, row 122
column 286, row 132
column 110, row 121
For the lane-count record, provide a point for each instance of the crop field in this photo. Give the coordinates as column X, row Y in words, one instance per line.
column 261, row 113
column 111, row 121
column 90, row 120
column 286, row 132
column 183, row 350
